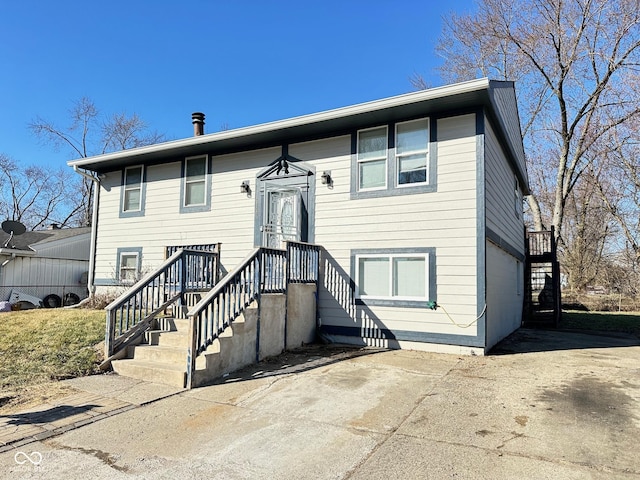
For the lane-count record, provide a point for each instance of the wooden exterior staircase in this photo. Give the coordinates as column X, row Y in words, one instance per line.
column 239, row 320
column 543, row 302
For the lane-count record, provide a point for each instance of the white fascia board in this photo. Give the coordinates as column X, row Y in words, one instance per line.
column 405, row 99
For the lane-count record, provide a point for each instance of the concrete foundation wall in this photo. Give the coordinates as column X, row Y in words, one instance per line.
column 271, row 327
column 301, row 314
column 264, row 324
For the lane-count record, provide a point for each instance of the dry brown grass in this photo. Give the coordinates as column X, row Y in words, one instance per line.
column 40, row 347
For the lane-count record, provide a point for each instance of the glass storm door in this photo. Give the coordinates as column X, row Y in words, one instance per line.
column 282, row 216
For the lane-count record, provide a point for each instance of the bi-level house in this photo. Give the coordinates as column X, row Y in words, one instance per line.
column 402, row 217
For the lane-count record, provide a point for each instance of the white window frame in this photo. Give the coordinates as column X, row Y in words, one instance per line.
column 121, row 267
column 517, row 197
column 390, row 257
column 375, row 159
column 186, row 182
column 128, row 188
column 424, row 151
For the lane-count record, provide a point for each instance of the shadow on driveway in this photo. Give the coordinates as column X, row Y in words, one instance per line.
column 526, row 340
column 299, row 360
column 47, row 416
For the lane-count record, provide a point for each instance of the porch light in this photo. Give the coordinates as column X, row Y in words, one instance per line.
column 326, row 179
column 245, row 188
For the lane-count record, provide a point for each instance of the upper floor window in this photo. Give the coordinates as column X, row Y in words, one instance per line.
column 412, row 148
column 394, row 159
column 195, row 181
column 132, row 197
column 372, row 158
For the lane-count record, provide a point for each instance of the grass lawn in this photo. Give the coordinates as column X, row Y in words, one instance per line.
column 602, row 321
column 39, row 347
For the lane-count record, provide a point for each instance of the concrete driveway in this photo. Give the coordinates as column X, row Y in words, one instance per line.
column 545, row 405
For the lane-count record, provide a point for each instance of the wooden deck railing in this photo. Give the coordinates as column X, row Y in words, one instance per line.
column 541, row 243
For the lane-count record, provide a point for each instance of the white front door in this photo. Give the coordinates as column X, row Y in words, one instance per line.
column 282, row 216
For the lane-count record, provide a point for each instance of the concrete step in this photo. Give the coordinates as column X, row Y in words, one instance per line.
column 166, row 338
column 172, row 324
column 160, row 354
column 166, row 374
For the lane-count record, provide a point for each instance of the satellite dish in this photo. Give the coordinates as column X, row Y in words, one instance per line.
column 12, row 228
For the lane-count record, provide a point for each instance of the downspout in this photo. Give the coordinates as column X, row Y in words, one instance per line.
column 94, row 228
column 12, row 257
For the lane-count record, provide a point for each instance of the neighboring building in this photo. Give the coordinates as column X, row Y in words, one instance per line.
column 416, row 201
column 47, row 264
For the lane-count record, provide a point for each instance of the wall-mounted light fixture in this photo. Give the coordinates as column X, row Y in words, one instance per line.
column 245, row 188
column 326, row 179
column 102, row 176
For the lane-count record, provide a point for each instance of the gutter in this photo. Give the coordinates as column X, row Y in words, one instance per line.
column 12, row 253
column 94, row 228
column 15, row 252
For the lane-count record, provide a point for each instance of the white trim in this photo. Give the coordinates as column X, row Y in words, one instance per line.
column 125, row 189
column 517, row 198
column 424, row 151
column 405, row 99
column 136, row 270
column 18, row 252
column 391, row 257
column 186, row 182
column 384, row 157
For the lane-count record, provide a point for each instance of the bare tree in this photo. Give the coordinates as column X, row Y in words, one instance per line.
column 91, row 133
column 574, row 63
column 588, row 234
column 37, row 196
column 619, row 187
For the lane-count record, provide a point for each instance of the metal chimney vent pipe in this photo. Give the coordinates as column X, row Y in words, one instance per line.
column 197, row 119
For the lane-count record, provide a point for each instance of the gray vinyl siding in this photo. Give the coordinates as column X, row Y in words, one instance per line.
column 500, row 197
column 444, row 220
column 504, row 99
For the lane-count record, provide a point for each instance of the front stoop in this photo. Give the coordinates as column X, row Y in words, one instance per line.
column 161, row 357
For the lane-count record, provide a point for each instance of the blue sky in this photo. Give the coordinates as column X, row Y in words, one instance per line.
column 240, row 62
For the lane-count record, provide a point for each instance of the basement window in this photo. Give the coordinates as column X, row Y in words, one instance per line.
column 395, row 277
column 129, row 265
